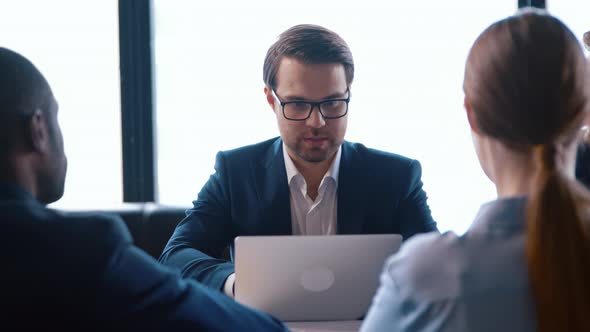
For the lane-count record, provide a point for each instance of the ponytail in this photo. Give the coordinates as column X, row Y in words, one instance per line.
column 558, row 249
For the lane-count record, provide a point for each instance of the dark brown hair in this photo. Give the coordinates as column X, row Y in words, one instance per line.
column 309, row 44
column 526, row 82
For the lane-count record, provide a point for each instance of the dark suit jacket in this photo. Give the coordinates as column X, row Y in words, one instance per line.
column 378, row 192
column 81, row 272
column 583, row 164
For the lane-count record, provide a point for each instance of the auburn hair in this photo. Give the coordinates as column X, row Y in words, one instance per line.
column 527, row 85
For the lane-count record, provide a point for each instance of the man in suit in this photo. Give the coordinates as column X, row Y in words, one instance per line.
column 583, row 155
column 583, row 162
column 78, row 272
column 310, row 181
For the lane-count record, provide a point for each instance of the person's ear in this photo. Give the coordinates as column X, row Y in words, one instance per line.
column 270, row 99
column 37, row 133
column 470, row 116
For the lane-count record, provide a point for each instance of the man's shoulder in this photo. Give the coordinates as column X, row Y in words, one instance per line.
column 59, row 245
column 379, row 158
column 26, row 219
column 106, row 225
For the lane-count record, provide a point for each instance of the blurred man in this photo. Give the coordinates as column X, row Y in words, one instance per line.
column 583, row 156
column 80, row 272
column 308, row 181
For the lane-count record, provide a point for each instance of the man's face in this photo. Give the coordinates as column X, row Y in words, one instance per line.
column 52, row 173
column 316, row 139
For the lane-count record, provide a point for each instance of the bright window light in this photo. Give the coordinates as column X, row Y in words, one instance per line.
column 75, row 44
column 407, row 95
column 574, row 13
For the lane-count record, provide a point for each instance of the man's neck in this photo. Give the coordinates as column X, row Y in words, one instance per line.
column 18, row 172
column 313, row 173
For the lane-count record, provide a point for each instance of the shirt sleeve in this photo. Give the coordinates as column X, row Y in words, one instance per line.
column 197, row 244
column 414, row 214
column 384, row 312
column 415, row 293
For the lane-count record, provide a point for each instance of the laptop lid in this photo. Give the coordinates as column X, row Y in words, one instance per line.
column 305, row 278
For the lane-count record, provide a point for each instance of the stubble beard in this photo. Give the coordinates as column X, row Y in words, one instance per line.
column 316, row 155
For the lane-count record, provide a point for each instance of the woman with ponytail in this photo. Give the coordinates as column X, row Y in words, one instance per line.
column 524, row 265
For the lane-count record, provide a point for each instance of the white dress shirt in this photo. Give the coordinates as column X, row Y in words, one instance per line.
column 313, row 217
column 308, row 217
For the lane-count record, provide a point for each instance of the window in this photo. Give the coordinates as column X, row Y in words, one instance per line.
column 75, row 45
column 571, row 12
column 209, row 55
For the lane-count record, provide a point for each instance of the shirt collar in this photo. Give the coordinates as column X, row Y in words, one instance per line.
column 332, row 172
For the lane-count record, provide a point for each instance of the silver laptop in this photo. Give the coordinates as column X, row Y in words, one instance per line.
column 306, row 278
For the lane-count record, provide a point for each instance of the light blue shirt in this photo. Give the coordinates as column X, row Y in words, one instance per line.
column 475, row 282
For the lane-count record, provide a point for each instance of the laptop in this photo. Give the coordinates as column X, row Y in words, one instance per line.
column 311, row 278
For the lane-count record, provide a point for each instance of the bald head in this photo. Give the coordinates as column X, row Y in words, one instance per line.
column 31, row 144
column 22, row 87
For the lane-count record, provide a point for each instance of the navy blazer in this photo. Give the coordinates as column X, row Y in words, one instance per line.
column 77, row 272
column 583, row 164
column 378, row 192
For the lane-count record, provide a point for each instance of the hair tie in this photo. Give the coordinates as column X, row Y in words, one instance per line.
column 546, row 155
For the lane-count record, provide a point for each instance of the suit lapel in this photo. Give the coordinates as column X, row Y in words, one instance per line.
column 351, row 191
column 273, row 192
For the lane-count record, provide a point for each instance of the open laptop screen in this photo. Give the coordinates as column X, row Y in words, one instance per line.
column 304, row 278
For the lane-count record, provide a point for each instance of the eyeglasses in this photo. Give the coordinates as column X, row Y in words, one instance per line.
column 301, row 110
